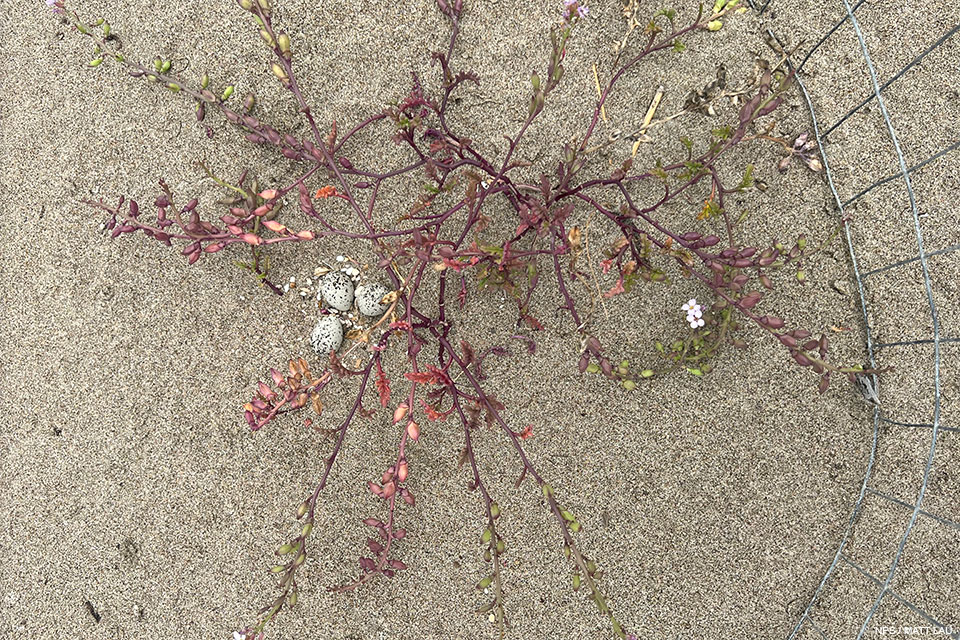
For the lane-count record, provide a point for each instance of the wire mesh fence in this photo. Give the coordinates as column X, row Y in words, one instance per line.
column 889, row 141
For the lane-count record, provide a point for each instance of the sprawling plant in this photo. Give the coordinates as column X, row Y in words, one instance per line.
column 448, row 234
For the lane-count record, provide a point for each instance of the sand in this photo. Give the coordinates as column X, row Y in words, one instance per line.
column 137, row 504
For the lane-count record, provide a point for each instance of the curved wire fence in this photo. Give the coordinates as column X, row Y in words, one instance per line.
column 896, row 570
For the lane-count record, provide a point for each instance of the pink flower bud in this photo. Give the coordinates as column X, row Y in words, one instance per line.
column 402, row 472
column 268, row 194
column 413, row 430
column 399, row 412
column 389, row 489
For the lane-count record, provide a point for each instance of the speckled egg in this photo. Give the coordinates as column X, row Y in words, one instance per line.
column 327, row 335
column 369, row 297
column 336, row 289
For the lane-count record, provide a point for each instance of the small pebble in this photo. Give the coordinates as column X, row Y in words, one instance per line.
column 327, row 336
column 369, row 297
column 841, row 286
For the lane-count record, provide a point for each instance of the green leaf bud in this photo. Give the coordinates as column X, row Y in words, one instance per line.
column 283, row 40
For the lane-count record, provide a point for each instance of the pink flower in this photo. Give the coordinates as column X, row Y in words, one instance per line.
column 574, row 7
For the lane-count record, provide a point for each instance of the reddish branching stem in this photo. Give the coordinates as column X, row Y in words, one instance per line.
column 448, row 240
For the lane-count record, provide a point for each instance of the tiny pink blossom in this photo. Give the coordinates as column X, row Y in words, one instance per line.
column 575, row 7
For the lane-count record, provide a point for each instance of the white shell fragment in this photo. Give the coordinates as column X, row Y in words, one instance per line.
column 369, row 297
column 327, row 336
column 336, row 289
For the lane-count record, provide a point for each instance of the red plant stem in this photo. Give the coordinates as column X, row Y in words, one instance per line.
column 328, row 462
column 667, row 42
column 288, row 68
column 561, row 283
column 487, row 505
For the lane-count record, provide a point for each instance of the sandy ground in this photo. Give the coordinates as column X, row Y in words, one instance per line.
column 136, row 504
